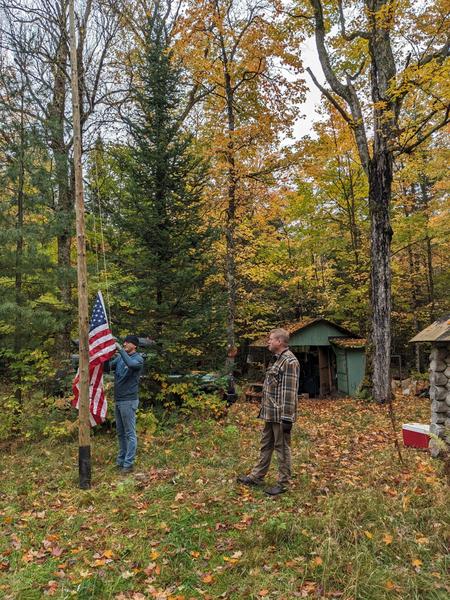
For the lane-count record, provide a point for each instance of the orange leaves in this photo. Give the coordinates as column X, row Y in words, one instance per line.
column 317, row 561
column 208, row 578
column 51, row 588
column 387, row 539
column 391, row 586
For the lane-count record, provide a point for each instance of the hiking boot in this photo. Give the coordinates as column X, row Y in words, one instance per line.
column 276, row 490
column 126, row 470
column 246, row 480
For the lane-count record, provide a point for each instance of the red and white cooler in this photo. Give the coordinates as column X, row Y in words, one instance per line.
column 416, row 435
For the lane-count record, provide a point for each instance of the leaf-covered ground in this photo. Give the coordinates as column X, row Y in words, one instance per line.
column 356, row 524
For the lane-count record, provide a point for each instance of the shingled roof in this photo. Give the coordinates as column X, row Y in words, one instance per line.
column 439, row 331
column 345, row 342
column 304, row 324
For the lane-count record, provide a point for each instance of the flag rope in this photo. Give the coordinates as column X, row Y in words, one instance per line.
column 102, row 238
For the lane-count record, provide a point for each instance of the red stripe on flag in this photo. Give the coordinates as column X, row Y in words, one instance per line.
column 102, row 347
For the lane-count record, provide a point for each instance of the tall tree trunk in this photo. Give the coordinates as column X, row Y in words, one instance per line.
column 380, row 186
column 18, row 327
column 65, row 199
column 230, row 226
column 380, row 181
column 424, row 184
column 414, row 291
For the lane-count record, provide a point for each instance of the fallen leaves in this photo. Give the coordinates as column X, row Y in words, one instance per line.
column 161, row 529
column 316, row 561
column 391, row 586
column 234, row 558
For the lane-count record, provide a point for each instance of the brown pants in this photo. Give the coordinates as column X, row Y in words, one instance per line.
column 272, row 439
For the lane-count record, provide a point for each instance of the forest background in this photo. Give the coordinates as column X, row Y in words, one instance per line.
column 213, row 213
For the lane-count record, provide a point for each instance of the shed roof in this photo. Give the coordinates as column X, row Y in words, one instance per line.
column 304, row 324
column 345, row 342
column 439, row 331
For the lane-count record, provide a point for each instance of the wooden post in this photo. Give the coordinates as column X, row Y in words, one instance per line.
column 84, row 454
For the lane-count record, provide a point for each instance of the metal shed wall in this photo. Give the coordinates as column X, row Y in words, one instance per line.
column 315, row 335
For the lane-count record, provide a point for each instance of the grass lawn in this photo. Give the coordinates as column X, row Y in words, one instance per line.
column 355, row 525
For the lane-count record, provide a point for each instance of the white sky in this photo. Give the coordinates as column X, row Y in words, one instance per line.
column 313, row 96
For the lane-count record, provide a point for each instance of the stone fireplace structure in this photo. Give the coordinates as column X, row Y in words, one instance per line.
column 438, row 334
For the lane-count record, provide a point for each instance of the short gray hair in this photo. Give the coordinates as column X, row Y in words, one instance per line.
column 281, row 334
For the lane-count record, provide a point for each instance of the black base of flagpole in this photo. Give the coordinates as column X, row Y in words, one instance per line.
column 84, row 467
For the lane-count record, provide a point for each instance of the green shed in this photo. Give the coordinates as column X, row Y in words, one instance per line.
column 332, row 358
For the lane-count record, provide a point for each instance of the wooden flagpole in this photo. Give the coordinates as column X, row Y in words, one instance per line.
column 84, row 432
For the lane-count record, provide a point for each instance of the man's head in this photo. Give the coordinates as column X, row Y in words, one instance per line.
column 130, row 343
column 278, row 340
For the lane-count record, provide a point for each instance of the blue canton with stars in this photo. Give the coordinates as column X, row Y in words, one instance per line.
column 98, row 315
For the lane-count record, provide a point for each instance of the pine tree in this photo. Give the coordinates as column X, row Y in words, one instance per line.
column 160, row 206
column 28, row 307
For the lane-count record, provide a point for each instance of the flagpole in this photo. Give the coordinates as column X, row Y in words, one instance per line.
column 84, row 450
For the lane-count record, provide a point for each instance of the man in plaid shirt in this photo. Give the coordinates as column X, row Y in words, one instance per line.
column 279, row 411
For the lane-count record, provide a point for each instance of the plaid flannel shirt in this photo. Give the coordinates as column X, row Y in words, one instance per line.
column 280, row 390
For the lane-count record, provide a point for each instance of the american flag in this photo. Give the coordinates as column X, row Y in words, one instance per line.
column 102, row 347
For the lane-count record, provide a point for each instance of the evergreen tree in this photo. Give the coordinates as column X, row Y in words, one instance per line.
column 28, row 307
column 160, row 208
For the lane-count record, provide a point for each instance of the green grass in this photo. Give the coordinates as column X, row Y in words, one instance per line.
column 355, row 525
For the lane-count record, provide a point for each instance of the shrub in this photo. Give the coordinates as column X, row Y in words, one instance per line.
column 186, row 398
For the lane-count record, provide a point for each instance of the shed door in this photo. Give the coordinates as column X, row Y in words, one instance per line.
column 324, row 371
column 341, row 368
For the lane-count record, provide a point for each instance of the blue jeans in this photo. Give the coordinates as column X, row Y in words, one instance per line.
column 126, row 431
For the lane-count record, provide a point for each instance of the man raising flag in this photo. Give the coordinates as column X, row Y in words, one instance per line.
column 102, row 346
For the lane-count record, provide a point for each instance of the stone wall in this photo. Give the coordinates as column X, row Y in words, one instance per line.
column 440, row 393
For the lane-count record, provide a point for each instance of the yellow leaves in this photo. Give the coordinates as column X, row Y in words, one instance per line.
column 368, row 535
column 234, row 558
column 154, row 554
column 422, row 541
column 387, row 539
column 416, row 563
column 103, row 559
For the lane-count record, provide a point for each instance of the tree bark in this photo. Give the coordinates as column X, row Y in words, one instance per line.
column 378, row 167
column 18, row 327
column 65, row 200
column 424, row 184
column 84, row 458
column 380, row 187
column 230, row 225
